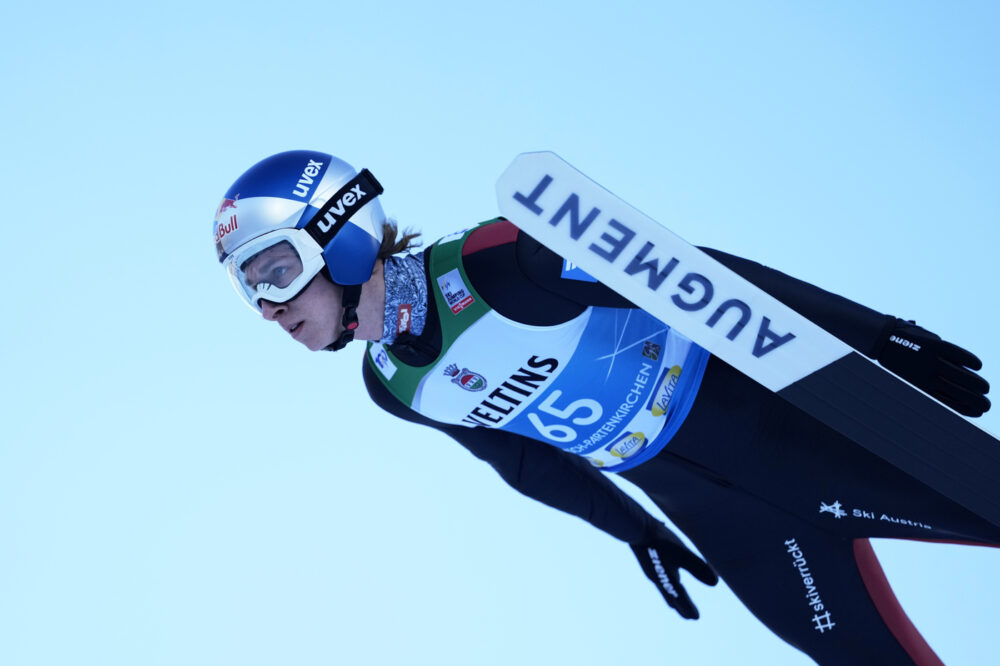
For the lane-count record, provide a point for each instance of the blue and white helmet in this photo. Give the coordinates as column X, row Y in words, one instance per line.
column 292, row 214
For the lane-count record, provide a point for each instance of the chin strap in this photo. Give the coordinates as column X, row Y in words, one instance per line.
column 352, row 296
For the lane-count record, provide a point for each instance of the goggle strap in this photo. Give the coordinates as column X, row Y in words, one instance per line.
column 350, row 300
column 359, row 191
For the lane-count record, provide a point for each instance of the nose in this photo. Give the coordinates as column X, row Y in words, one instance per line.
column 271, row 311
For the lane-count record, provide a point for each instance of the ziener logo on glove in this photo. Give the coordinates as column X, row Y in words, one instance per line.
column 661, row 573
column 906, row 343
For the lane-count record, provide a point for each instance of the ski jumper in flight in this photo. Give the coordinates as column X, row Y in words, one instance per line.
column 557, row 381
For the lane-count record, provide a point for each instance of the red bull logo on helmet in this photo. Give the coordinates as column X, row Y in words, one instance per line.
column 222, row 230
column 226, row 205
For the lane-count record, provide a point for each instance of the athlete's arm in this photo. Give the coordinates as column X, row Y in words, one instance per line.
column 919, row 356
column 569, row 483
column 936, row 366
column 862, row 328
column 540, row 471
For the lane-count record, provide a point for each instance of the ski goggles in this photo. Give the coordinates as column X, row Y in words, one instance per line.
column 274, row 267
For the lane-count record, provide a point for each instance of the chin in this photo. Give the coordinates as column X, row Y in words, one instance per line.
column 320, row 345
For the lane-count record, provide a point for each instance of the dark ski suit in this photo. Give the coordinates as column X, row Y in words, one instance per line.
column 779, row 504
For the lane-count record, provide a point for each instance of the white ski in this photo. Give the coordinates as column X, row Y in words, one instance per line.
column 752, row 331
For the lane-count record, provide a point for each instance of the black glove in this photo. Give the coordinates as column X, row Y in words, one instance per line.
column 661, row 560
column 939, row 368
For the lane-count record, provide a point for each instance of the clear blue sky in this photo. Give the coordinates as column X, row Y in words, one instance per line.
column 181, row 484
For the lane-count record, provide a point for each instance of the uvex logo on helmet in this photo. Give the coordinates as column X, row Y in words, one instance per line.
column 306, row 179
column 340, row 206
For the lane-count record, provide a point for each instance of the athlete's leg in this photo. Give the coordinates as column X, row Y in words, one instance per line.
column 800, row 580
column 748, row 473
column 755, row 440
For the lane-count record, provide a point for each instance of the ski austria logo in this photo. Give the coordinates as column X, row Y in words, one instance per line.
column 665, row 388
column 838, row 511
column 628, row 446
column 835, row 509
column 470, row 381
column 455, row 293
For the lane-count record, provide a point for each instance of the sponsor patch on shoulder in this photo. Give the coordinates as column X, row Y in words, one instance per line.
column 382, row 360
column 571, row 271
column 455, row 293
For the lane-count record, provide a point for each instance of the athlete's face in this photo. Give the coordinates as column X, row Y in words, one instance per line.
column 313, row 317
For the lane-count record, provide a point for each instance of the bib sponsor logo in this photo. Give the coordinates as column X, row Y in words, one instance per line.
column 455, row 293
column 382, row 361
column 223, row 230
column 628, row 446
column 307, row 178
column 470, row 381
column 516, row 389
column 664, row 391
column 651, row 350
column 403, row 318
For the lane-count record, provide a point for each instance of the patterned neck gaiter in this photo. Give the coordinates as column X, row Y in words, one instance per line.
column 405, row 296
